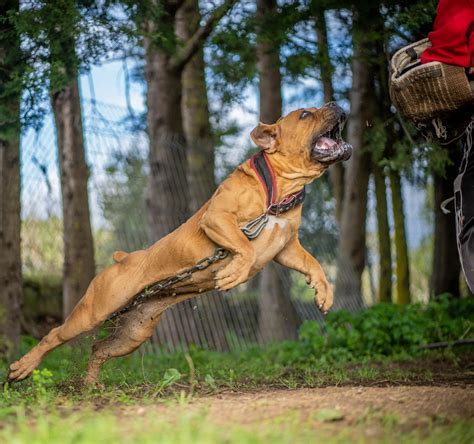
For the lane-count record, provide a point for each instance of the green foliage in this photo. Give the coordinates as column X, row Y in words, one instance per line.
column 41, row 379
column 42, row 245
column 170, row 377
column 233, row 47
column 61, row 39
column 320, row 356
column 388, row 329
column 351, row 348
column 233, row 61
column 410, row 19
column 40, row 391
column 11, row 68
column 415, row 156
column 143, row 11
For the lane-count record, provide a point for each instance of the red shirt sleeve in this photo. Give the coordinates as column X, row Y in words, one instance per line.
column 452, row 37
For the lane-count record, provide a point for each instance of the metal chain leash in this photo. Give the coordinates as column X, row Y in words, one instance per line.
column 159, row 286
column 252, row 230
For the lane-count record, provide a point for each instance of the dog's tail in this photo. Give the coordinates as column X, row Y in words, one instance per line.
column 117, row 256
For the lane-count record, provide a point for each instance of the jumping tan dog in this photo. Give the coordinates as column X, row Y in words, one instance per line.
column 300, row 147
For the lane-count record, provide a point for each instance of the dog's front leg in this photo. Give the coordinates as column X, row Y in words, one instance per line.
column 294, row 256
column 222, row 228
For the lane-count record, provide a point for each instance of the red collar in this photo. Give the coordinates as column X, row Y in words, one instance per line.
column 260, row 163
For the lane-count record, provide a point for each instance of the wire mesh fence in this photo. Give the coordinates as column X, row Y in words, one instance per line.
column 117, row 155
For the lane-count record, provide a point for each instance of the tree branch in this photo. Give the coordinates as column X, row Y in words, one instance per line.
column 190, row 48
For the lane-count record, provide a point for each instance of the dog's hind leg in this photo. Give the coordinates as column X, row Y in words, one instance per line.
column 133, row 329
column 108, row 291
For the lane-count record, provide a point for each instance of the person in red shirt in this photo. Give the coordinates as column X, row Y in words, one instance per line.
column 452, row 38
column 452, row 42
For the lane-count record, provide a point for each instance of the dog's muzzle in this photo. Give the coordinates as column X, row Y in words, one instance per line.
column 329, row 147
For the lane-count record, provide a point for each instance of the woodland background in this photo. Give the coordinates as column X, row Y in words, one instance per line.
column 80, row 178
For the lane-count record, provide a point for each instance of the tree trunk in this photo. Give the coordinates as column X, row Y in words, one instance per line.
column 79, row 268
column 336, row 171
column 401, row 248
column 352, row 237
column 383, row 232
column 167, row 198
column 195, row 109
column 200, row 161
column 384, row 105
column 278, row 319
column 10, row 222
column 168, row 192
column 446, row 266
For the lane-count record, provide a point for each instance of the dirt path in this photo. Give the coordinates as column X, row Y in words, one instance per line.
column 364, row 411
column 408, row 402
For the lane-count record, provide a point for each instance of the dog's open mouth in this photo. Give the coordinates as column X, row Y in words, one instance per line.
column 329, row 147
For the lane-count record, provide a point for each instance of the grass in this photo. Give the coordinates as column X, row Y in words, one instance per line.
column 376, row 347
column 334, row 354
column 67, row 425
column 52, row 408
column 86, row 427
column 208, row 372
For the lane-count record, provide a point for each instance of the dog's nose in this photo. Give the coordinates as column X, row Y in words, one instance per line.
column 336, row 108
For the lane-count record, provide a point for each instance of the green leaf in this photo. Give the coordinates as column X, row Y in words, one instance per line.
column 328, row 415
column 210, row 381
column 170, row 377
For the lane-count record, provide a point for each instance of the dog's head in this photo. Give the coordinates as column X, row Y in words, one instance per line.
column 310, row 138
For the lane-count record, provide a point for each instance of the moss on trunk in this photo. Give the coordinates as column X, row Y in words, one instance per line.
column 383, row 231
column 401, row 248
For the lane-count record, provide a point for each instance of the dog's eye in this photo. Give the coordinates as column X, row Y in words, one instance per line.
column 305, row 114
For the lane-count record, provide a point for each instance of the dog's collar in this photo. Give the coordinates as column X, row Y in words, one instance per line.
column 264, row 171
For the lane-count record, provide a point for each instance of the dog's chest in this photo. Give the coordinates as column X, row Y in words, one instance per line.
column 274, row 221
column 272, row 239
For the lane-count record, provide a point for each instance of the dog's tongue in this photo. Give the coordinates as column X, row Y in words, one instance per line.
column 325, row 143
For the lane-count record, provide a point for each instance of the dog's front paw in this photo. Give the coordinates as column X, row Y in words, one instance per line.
column 324, row 295
column 234, row 273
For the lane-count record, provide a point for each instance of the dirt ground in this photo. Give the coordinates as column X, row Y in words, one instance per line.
column 365, row 411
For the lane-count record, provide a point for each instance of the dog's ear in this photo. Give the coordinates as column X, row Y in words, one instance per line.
column 266, row 137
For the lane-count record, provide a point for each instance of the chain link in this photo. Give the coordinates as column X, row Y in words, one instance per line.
column 159, row 286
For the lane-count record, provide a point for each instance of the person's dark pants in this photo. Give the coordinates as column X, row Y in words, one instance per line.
column 464, row 204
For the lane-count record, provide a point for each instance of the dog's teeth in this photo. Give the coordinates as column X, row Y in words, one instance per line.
column 174, row 294
column 200, row 290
